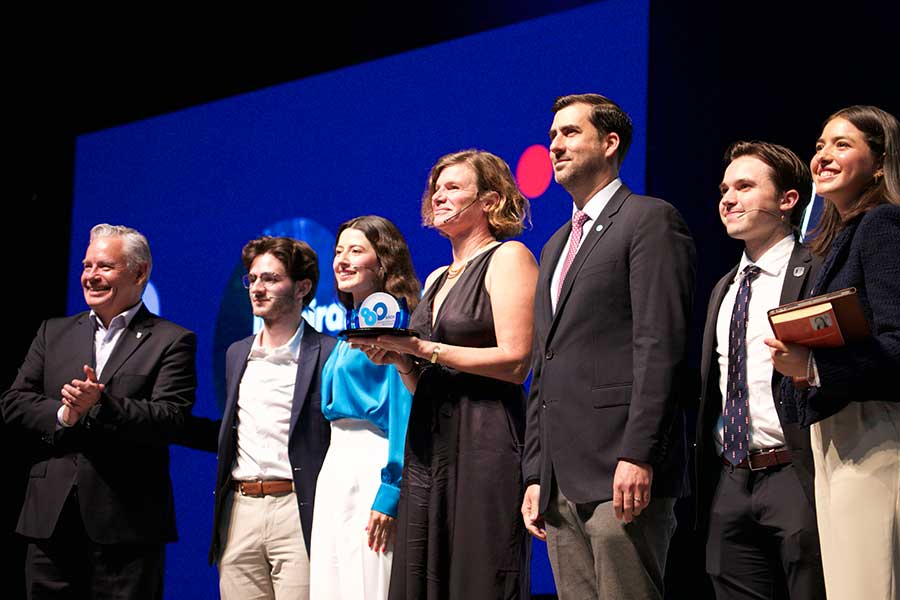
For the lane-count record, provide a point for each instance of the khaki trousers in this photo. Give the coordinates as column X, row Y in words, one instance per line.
column 263, row 552
column 857, row 458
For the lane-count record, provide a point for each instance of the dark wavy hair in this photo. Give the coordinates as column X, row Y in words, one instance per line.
column 882, row 133
column 299, row 260
column 393, row 257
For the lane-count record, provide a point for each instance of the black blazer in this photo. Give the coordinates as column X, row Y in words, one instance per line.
column 798, row 279
column 609, row 364
column 118, row 453
column 863, row 255
column 309, row 433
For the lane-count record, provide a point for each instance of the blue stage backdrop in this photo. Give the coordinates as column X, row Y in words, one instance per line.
column 302, row 157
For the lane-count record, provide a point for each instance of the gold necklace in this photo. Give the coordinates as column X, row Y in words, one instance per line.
column 452, row 272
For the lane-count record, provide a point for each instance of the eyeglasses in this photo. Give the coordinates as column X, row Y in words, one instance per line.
column 267, row 279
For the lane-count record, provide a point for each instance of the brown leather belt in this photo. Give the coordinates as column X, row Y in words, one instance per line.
column 763, row 459
column 270, row 487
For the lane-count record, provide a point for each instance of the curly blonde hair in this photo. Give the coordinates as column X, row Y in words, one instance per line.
column 509, row 216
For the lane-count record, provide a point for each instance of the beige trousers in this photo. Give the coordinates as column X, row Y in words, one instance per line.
column 263, row 552
column 857, row 458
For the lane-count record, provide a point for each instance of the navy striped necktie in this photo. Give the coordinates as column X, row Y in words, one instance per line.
column 736, row 417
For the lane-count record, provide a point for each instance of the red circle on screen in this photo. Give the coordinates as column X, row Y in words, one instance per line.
column 534, row 171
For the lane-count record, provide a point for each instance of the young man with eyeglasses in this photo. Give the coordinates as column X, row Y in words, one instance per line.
column 273, row 437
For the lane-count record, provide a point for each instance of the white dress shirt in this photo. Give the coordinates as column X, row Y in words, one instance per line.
column 106, row 338
column 765, row 294
column 265, row 397
column 592, row 209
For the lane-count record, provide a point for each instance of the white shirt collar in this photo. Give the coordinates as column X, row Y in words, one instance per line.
column 284, row 353
column 773, row 260
column 124, row 318
column 598, row 201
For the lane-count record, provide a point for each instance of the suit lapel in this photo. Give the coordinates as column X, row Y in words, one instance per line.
column 83, row 348
column 237, row 367
column 137, row 332
column 836, row 256
column 798, row 270
column 796, row 282
column 709, row 329
column 306, row 369
column 598, row 229
column 549, row 258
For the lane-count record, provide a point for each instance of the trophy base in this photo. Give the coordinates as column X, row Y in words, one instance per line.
column 368, row 332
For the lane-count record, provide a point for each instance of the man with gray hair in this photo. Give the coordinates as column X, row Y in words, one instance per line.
column 102, row 393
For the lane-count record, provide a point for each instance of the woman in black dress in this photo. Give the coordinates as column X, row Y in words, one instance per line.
column 459, row 532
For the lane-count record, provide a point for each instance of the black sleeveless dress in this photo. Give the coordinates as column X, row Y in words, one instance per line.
column 459, row 529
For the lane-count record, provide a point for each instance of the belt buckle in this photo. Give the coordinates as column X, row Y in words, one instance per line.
column 760, row 453
column 246, row 495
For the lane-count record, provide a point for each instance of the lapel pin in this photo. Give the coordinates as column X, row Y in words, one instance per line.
column 798, row 271
column 599, row 227
column 139, row 334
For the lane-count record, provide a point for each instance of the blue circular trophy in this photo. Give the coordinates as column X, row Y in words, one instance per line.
column 379, row 314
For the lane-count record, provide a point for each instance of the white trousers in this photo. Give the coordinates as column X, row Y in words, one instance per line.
column 857, row 458
column 263, row 551
column 342, row 566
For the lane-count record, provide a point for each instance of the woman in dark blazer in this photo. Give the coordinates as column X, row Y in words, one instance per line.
column 851, row 402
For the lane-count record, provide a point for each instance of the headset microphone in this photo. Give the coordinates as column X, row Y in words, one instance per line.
column 452, row 217
column 357, row 268
column 778, row 216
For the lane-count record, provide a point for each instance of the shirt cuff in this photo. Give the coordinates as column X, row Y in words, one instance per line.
column 812, row 371
column 59, row 418
column 387, row 499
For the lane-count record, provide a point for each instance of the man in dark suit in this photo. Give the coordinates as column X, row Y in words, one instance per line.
column 103, row 392
column 273, row 438
column 755, row 499
column 605, row 450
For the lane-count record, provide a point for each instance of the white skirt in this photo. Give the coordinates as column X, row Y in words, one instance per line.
column 857, row 458
column 342, row 566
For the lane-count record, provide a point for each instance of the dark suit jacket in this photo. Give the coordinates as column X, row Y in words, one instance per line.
column 118, row 454
column 309, row 433
column 608, row 365
column 864, row 256
column 708, row 463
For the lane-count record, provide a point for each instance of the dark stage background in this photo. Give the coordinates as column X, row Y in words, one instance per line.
column 716, row 74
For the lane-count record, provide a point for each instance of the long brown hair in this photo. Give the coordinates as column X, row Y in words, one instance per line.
column 393, row 256
column 882, row 133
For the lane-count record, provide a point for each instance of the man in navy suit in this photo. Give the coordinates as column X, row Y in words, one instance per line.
column 605, row 450
column 103, row 393
column 273, row 437
column 756, row 506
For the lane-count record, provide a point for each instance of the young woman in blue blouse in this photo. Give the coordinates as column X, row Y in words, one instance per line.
column 368, row 405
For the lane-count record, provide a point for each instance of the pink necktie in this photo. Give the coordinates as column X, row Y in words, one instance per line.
column 578, row 221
